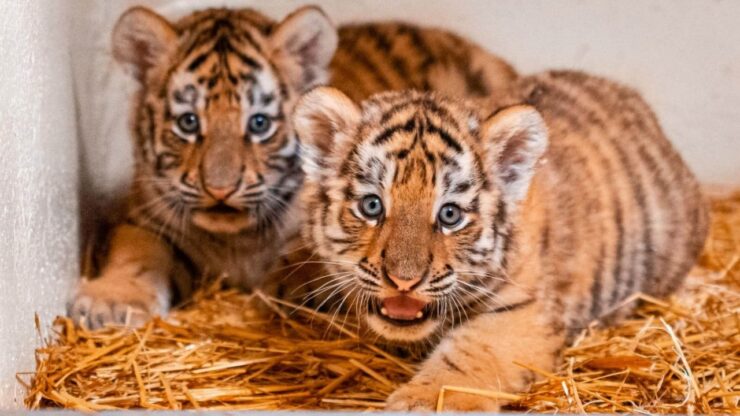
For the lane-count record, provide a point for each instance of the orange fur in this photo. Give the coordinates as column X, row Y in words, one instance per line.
column 571, row 199
column 221, row 199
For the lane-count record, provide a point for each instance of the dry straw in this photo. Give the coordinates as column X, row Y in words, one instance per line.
column 680, row 355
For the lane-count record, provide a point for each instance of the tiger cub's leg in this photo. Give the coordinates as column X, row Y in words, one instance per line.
column 134, row 284
column 481, row 354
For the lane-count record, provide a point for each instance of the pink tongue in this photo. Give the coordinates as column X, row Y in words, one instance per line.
column 403, row 307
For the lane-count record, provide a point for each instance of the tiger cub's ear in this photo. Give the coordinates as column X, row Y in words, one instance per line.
column 302, row 46
column 142, row 39
column 516, row 138
column 324, row 119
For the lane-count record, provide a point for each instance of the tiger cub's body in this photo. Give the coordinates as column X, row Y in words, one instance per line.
column 377, row 57
column 217, row 162
column 487, row 238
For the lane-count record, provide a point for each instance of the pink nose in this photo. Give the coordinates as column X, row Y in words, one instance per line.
column 220, row 193
column 404, row 285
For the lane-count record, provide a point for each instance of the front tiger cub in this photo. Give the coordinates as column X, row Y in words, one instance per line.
column 490, row 239
column 217, row 164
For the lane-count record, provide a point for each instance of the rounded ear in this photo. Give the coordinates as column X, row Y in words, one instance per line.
column 323, row 120
column 303, row 45
column 142, row 39
column 516, row 138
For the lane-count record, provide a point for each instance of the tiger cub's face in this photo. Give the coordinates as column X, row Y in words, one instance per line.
column 213, row 140
column 411, row 198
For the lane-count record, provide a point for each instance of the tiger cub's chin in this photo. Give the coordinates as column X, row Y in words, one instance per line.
column 222, row 223
column 402, row 332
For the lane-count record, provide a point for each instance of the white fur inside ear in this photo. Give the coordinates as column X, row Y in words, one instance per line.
column 143, row 39
column 517, row 138
column 304, row 44
column 324, row 120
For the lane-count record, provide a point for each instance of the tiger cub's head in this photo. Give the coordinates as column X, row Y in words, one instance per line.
column 411, row 198
column 213, row 142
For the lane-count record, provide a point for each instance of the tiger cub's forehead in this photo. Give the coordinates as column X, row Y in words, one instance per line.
column 223, row 62
column 251, row 88
column 412, row 140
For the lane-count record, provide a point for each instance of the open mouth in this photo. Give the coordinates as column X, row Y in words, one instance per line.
column 222, row 209
column 401, row 310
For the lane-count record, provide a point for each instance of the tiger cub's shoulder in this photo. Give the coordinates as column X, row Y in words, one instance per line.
column 377, row 57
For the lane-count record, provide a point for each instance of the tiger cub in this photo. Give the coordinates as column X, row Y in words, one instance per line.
column 217, row 166
column 487, row 239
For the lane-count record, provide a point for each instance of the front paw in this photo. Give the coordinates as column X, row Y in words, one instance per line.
column 468, row 402
column 425, row 398
column 414, row 397
column 114, row 301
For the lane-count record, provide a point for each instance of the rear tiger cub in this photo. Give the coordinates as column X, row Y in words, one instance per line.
column 489, row 239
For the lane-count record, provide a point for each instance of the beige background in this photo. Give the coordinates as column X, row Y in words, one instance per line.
column 60, row 88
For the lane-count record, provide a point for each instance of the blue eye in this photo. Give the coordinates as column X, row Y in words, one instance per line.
column 371, row 207
column 259, row 124
column 450, row 215
column 188, row 123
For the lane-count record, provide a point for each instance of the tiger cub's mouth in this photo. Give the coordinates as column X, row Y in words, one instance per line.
column 222, row 209
column 223, row 218
column 401, row 310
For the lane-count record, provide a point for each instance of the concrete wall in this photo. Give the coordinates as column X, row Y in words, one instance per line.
column 38, row 179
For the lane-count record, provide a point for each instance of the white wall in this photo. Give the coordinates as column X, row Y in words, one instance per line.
column 38, row 179
column 683, row 55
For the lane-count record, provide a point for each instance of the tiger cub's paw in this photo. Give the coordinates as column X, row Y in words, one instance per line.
column 413, row 397
column 115, row 300
column 423, row 395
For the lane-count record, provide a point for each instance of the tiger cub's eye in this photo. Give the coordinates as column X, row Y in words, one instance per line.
column 371, row 207
column 188, row 123
column 259, row 124
column 450, row 215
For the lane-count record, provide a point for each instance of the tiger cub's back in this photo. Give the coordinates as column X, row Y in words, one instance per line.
column 377, row 57
column 621, row 207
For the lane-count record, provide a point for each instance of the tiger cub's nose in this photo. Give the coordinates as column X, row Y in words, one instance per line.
column 221, row 194
column 404, row 285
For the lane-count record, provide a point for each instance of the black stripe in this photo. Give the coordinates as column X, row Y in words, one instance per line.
column 198, row 61
column 246, row 36
column 462, row 187
column 619, row 255
column 386, row 134
column 166, row 161
column 512, row 307
column 450, row 364
column 385, row 45
column 427, row 58
column 364, row 64
column 444, row 135
column 246, row 60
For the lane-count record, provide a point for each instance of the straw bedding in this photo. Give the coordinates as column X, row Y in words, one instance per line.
column 680, row 355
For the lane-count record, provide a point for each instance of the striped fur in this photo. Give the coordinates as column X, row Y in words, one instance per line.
column 221, row 199
column 378, row 57
column 572, row 200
